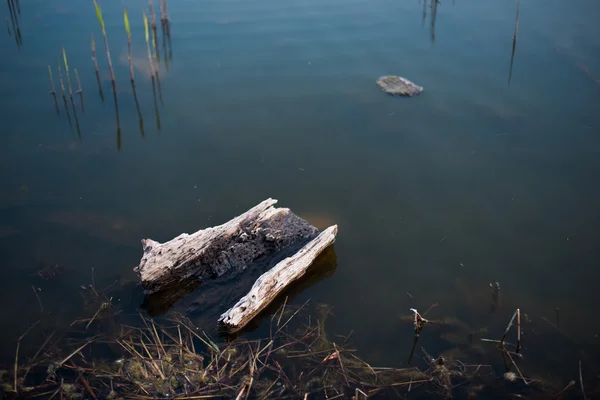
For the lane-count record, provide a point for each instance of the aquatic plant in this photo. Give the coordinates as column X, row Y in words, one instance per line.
column 51, row 80
column 128, row 30
column 96, row 68
column 67, row 72
column 148, row 45
column 101, row 21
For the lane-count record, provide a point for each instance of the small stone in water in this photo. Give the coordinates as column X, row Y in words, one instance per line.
column 398, row 86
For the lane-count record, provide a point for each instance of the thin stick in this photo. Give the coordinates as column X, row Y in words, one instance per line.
column 148, row 45
column 38, row 298
column 518, row 330
column 517, row 22
column 508, row 327
column 99, row 15
column 581, row 382
column 7, row 26
column 517, row 368
column 87, row 387
column 17, row 353
column 51, row 80
column 282, row 309
column 79, row 89
column 72, row 354
column 67, row 72
column 80, row 92
column 62, row 85
column 94, row 54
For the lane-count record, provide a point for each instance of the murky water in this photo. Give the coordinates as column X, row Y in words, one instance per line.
column 476, row 180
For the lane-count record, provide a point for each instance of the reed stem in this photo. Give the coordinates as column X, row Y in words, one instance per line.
column 67, row 72
column 94, row 54
column 148, row 46
column 100, row 19
column 79, row 89
column 51, row 80
column 517, row 21
column 128, row 30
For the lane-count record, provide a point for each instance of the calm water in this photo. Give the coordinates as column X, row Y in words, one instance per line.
column 472, row 182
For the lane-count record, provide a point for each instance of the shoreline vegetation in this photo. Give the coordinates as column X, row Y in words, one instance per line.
column 110, row 355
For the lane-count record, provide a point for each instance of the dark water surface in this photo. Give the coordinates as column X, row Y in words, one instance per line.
column 474, row 181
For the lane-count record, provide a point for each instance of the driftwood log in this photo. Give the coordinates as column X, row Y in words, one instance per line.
column 263, row 232
column 273, row 282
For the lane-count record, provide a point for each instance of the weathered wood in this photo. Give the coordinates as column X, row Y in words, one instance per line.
column 398, row 86
column 273, row 282
column 225, row 249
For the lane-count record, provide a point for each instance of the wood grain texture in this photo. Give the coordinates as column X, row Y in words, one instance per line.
column 273, row 282
column 225, row 249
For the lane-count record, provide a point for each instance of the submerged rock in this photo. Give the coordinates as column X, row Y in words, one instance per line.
column 398, row 86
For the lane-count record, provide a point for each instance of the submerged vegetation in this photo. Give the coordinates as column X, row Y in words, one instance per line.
column 111, row 355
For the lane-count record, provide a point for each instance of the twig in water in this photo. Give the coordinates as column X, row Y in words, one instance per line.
column 571, row 384
column 518, row 330
column 517, row 21
column 60, row 364
column 79, row 89
column 508, row 328
column 87, row 387
column 581, row 382
column 35, row 291
column 17, row 353
column 282, row 310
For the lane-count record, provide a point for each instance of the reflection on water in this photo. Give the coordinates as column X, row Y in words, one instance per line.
column 14, row 16
column 137, row 107
column 436, row 196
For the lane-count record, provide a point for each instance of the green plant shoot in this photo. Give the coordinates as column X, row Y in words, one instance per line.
column 99, row 15
column 127, row 27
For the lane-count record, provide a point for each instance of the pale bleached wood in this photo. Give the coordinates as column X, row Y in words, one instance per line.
column 228, row 248
column 273, row 282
